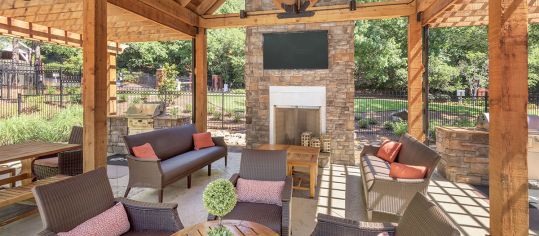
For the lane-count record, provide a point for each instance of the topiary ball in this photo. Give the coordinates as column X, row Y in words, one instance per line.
column 219, row 197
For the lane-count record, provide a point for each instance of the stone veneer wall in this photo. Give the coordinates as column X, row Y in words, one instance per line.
column 338, row 80
column 464, row 154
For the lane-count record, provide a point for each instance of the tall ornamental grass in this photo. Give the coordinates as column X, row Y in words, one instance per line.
column 34, row 128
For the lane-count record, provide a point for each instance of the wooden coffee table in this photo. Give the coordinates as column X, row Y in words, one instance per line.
column 299, row 156
column 237, row 227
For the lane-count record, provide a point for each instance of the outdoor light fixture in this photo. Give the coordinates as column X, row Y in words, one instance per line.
column 294, row 8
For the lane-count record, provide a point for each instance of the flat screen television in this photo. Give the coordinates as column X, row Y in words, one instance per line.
column 296, row 50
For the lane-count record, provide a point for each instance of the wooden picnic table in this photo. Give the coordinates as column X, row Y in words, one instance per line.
column 27, row 152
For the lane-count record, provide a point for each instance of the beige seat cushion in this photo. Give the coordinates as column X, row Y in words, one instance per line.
column 374, row 167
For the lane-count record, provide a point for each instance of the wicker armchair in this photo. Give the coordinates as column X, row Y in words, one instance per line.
column 268, row 166
column 389, row 195
column 66, row 163
column 64, row 205
column 421, row 218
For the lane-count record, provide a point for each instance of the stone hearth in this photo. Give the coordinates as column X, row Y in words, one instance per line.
column 338, row 81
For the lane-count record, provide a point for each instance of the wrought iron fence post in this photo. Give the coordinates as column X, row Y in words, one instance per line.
column 19, row 104
column 222, row 109
column 486, row 102
column 61, row 89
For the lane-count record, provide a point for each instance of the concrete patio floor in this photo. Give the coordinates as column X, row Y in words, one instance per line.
column 340, row 194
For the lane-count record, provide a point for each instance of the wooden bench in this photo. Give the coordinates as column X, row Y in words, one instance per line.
column 22, row 193
column 11, row 172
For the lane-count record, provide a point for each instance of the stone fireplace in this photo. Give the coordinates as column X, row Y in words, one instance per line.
column 317, row 99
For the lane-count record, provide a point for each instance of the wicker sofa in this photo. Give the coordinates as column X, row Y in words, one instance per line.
column 176, row 157
column 386, row 194
column 421, row 218
column 64, row 205
column 267, row 166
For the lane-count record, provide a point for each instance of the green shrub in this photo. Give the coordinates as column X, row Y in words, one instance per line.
column 388, row 125
column 372, row 121
column 51, row 90
column 237, row 117
column 122, row 98
column 217, row 115
column 174, row 111
column 400, row 128
column 34, row 128
column 364, row 123
column 188, row 108
column 136, row 100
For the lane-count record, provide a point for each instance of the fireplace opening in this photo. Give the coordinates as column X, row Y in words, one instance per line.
column 291, row 121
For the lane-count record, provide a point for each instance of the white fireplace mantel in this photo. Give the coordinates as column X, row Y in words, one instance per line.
column 300, row 96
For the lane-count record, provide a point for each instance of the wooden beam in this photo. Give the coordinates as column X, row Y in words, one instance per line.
column 201, row 80
column 508, row 133
column 424, row 4
column 111, row 89
column 204, row 6
column 436, row 9
column 374, row 10
column 415, row 78
column 142, row 9
column 215, row 7
column 173, row 8
column 95, row 84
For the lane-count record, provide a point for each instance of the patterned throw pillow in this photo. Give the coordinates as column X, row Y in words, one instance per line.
column 257, row 191
column 403, row 171
column 112, row 222
column 144, row 151
column 202, row 140
column 389, row 150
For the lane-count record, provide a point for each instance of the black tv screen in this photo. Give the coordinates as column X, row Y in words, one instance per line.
column 296, row 50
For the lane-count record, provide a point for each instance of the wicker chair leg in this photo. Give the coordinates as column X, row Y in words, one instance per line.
column 209, row 170
column 226, row 160
column 189, row 181
column 160, row 195
column 127, row 192
column 369, row 215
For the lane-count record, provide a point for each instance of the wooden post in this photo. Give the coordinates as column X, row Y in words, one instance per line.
column 415, row 79
column 508, row 100
column 95, row 83
column 111, row 73
column 201, row 72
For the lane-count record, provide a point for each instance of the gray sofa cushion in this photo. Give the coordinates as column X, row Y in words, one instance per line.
column 264, row 214
column 183, row 163
column 166, row 143
column 374, row 167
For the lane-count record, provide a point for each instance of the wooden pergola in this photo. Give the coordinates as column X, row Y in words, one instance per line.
column 100, row 26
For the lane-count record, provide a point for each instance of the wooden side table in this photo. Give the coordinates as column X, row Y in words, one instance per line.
column 299, row 156
column 237, row 227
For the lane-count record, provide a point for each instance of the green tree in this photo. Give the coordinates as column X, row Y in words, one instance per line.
column 381, row 53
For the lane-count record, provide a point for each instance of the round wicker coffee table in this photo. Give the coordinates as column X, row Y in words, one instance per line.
column 237, row 227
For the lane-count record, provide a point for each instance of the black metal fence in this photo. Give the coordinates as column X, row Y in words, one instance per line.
column 43, row 105
column 385, row 112
column 226, row 111
column 26, row 79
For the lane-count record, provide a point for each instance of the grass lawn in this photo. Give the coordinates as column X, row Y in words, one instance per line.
column 232, row 102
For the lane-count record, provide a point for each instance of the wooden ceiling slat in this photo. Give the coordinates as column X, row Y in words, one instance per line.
column 147, row 11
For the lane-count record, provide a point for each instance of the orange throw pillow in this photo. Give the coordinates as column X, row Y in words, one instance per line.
column 389, row 150
column 203, row 140
column 403, row 171
column 144, row 151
